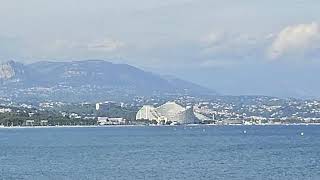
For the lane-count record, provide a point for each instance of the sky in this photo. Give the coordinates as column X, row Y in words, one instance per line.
column 243, row 47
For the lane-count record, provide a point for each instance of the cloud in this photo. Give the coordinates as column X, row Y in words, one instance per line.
column 59, row 49
column 295, row 40
column 231, row 48
column 108, row 45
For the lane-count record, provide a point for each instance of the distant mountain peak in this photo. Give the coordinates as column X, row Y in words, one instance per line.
column 98, row 74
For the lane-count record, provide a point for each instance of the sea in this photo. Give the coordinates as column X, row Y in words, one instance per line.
column 167, row 152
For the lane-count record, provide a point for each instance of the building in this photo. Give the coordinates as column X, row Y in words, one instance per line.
column 111, row 121
column 74, row 116
column 168, row 112
column 204, row 118
column 29, row 122
column 44, row 122
column 5, row 110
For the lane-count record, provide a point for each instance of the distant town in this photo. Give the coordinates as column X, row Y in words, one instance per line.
column 215, row 110
column 101, row 93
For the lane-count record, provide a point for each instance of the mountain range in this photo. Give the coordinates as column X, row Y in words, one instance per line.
column 93, row 74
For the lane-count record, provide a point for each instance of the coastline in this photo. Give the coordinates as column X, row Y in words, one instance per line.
column 128, row 126
column 45, row 127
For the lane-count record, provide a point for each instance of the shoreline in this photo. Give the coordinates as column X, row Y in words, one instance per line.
column 81, row 126
column 128, row 126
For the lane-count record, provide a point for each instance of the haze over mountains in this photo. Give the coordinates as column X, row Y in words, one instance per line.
column 95, row 75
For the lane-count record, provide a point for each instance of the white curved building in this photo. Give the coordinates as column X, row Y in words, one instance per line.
column 169, row 111
column 147, row 112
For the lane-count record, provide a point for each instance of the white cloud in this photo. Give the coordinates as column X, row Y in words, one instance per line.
column 294, row 40
column 231, row 47
column 108, row 45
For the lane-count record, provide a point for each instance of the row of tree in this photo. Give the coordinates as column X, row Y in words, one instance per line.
column 53, row 117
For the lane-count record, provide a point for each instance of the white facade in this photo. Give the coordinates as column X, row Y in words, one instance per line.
column 111, row 121
column 169, row 111
column 97, row 106
column 5, row 110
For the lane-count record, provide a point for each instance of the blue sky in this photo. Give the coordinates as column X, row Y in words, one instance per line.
column 236, row 47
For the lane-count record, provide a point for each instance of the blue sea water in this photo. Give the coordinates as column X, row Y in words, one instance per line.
column 201, row 152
